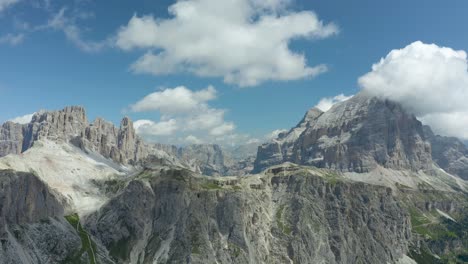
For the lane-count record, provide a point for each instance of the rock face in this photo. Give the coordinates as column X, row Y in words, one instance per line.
column 288, row 215
column 11, row 138
column 32, row 228
column 209, row 159
column 71, row 125
column 120, row 144
column 355, row 135
column 25, row 199
column 449, row 153
column 63, row 125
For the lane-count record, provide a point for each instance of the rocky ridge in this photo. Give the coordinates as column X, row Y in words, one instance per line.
column 289, row 214
column 121, row 144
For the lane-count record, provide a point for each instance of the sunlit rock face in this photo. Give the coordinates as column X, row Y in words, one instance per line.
column 121, row 144
column 356, row 135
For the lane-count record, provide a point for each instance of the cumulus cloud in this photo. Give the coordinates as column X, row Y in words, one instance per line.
column 22, row 119
column 4, row 4
column 326, row 103
column 151, row 128
column 222, row 129
column 451, row 124
column 184, row 114
column 191, row 139
column 246, row 46
column 177, row 100
column 428, row 80
column 12, row 39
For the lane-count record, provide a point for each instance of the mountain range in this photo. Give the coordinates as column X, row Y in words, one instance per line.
column 364, row 182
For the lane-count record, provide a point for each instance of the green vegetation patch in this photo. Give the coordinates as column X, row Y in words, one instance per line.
column 284, row 227
column 423, row 256
column 120, row 249
column 88, row 247
column 332, row 177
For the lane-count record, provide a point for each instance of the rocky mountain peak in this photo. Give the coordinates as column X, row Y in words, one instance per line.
column 71, row 125
column 356, row 135
column 312, row 114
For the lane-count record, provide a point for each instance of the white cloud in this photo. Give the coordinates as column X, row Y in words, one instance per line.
column 274, row 134
column 4, row 4
column 246, row 46
column 191, row 139
column 185, row 116
column 12, row 39
column 222, row 129
column 326, row 103
column 151, row 128
column 68, row 25
column 176, row 100
column 428, row 80
column 451, row 124
column 22, row 119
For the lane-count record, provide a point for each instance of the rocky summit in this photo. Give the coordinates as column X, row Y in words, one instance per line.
column 71, row 125
column 364, row 182
column 356, row 135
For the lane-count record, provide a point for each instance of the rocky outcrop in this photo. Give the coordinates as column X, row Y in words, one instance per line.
column 32, row 228
column 450, row 153
column 120, row 144
column 25, row 199
column 11, row 138
column 288, row 215
column 63, row 125
column 356, row 135
column 71, row 125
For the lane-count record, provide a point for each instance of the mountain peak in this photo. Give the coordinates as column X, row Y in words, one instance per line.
column 355, row 135
column 70, row 124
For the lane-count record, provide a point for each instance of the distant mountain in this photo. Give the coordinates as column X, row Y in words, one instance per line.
column 210, row 159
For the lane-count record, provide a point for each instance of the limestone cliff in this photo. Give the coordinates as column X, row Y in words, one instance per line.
column 450, row 153
column 32, row 225
column 290, row 214
column 70, row 124
column 356, row 135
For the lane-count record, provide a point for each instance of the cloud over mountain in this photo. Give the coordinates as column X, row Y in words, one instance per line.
column 246, row 46
column 326, row 103
column 184, row 115
column 428, row 80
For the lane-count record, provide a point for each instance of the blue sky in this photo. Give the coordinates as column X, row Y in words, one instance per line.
column 42, row 67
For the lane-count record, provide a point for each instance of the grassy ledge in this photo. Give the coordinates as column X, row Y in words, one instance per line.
column 87, row 245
